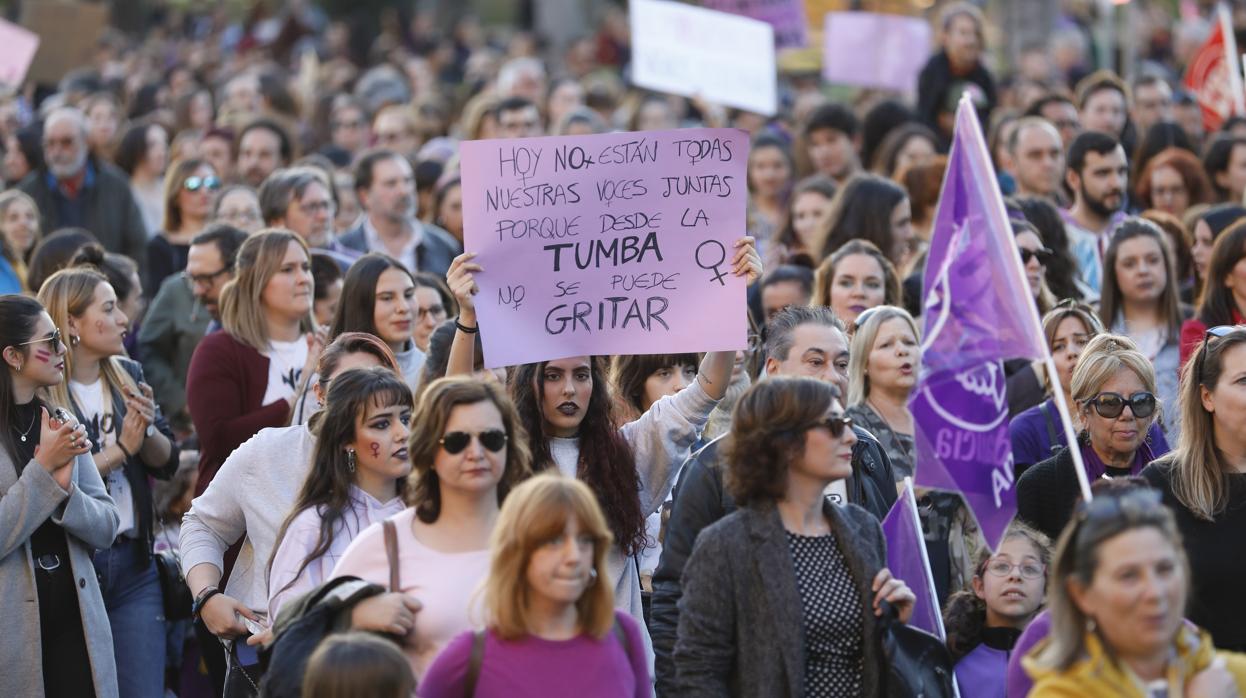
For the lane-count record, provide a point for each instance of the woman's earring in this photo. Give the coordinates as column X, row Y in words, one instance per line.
column 1091, row 625
column 592, row 576
column 74, row 339
column 350, row 459
column 19, row 366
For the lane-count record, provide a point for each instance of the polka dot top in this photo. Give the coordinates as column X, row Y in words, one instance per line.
column 831, row 609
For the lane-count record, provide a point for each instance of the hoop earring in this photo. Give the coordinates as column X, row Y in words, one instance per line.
column 350, row 459
column 74, row 339
column 19, row 366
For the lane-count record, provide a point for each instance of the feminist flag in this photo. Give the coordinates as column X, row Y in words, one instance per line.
column 1214, row 74
column 978, row 312
column 906, row 558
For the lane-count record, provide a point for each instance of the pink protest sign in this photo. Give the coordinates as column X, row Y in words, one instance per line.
column 17, row 49
column 617, row 243
column 786, row 16
column 874, row 50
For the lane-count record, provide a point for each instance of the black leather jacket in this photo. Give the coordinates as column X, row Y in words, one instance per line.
column 701, row 499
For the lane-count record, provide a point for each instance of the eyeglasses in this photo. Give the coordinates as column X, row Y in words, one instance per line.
column 1219, row 332
column 1000, row 567
column 204, row 279
column 437, row 311
column 836, row 425
column 454, row 442
column 53, row 340
column 1111, row 405
column 1042, row 254
column 195, row 183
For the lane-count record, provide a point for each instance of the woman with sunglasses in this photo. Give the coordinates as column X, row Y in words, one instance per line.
column 468, row 450
column 807, row 624
column 1113, row 391
column 1139, row 299
column 1223, row 298
column 984, row 622
column 1204, row 483
column 1034, row 257
column 358, row 477
column 1120, row 583
column 54, row 512
column 189, row 188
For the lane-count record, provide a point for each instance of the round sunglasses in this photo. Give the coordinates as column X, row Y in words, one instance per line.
column 1111, row 405
column 455, row 442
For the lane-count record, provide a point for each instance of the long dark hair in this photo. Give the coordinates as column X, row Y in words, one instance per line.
column 328, row 483
column 18, row 317
column 1111, row 302
column 606, row 464
column 356, row 312
column 1217, row 304
column 862, row 209
column 1045, row 217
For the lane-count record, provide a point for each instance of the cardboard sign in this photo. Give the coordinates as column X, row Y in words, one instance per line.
column 75, row 27
column 875, row 50
column 786, row 16
column 17, row 49
column 693, row 51
column 617, row 243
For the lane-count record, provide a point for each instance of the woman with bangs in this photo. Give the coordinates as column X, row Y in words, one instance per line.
column 357, row 478
column 131, row 442
column 468, row 450
column 551, row 627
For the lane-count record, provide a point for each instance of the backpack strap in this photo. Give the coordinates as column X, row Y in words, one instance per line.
column 391, row 553
column 474, row 660
column 1045, row 408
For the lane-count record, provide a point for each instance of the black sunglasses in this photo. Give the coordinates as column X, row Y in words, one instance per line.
column 454, row 442
column 1218, row 332
column 53, row 340
column 1042, row 254
column 1111, row 405
column 835, row 425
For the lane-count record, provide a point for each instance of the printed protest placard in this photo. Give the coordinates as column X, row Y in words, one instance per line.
column 692, row 51
column 786, row 16
column 617, row 243
column 874, row 50
column 17, row 49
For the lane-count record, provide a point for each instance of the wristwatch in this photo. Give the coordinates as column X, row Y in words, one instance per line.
column 202, row 599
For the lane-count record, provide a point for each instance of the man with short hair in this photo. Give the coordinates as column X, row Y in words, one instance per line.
column 1103, row 103
column 801, row 341
column 180, row 314
column 783, row 287
column 832, row 140
column 73, row 189
column 263, row 148
column 518, row 117
column 299, row 199
column 1097, row 174
column 385, row 185
column 1152, row 103
column 1037, row 158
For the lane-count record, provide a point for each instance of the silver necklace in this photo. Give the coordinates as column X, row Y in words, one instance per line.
column 23, row 434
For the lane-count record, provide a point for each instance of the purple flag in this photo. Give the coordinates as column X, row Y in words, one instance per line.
column 978, row 312
column 906, row 558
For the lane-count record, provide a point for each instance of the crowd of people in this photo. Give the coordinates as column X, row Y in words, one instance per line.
column 255, row 447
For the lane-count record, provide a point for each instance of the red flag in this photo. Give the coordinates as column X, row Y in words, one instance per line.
column 1214, row 75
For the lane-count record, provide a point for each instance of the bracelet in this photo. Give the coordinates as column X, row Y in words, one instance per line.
column 464, row 328
column 124, row 450
column 202, row 599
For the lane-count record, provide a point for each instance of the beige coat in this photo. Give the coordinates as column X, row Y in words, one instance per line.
column 90, row 519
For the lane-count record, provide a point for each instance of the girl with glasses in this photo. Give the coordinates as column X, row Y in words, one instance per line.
column 1204, row 483
column 1113, row 391
column 984, row 621
column 468, row 450
column 55, row 512
column 807, row 625
column 189, row 188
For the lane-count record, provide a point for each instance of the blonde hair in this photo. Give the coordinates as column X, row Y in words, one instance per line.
column 1104, row 356
column 1198, row 479
column 174, row 179
column 242, row 306
column 863, row 343
column 536, row 511
column 1051, row 325
column 69, row 293
column 19, row 258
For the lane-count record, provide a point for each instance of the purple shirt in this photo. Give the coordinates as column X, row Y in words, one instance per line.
column 530, row 666
column 980, row 674
column 1019, row 682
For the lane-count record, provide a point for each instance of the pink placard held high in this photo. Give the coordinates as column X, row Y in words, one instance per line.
column 617, row 243
column 17, row 49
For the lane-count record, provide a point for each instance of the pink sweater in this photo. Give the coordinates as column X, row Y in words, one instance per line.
column 530, row 666
column 446, row 584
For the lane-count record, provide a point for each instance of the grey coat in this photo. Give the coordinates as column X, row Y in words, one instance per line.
column 740, row 630
column 90, row 519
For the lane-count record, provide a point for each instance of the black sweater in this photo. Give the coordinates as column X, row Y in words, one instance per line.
column 1048, row 491
column 1217, row 565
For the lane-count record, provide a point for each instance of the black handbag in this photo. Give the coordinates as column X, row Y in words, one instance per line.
column 918, row 664
column 176, row 594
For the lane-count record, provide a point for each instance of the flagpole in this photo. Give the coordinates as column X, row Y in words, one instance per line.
column 1234, row 59
column 1032, row 311
column 911, row 504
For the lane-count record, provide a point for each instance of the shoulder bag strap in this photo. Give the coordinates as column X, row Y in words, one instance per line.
column 474, row 660
column 1045, row 408
column 391, row 553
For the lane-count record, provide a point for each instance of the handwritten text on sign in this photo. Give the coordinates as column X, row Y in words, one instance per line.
column 617, row 243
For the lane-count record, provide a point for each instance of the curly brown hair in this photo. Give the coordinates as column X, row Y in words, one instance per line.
column 428, row 425
column 768, row 433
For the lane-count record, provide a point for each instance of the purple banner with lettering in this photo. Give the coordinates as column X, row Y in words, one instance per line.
column 978, row 312
column 617, row 243
column 786, row 16
column 906, row 558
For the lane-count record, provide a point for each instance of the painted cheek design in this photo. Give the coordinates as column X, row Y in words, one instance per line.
column 43, row 355
column 376, row 449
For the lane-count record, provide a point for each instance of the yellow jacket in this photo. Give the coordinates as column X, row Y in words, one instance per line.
column 1099, row 675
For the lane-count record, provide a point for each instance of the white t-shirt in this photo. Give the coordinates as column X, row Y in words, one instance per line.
column 103, row 426
column 285, row 376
